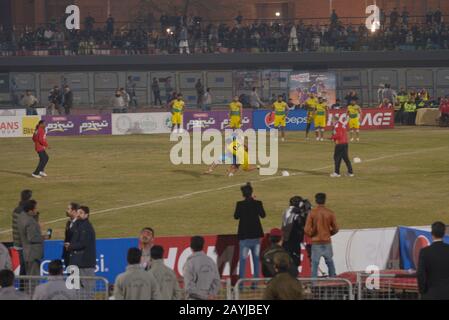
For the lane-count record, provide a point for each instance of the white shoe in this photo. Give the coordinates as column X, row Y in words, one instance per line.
column 317, row 139
column 36, row 176
column 230, row 174
column 42, row 174
column 282, row 139
column 350, row 175
column 352, row 139
column 335, row 175
column 321, row 139
column 357, row 139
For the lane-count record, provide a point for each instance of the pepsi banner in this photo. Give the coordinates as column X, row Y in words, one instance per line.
column 264, row 119
column 411, row 241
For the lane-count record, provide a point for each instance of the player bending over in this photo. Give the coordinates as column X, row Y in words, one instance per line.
column 320, row 119
column 280, row 108
column 354, row 114
column 235, row 113
column 177, row 110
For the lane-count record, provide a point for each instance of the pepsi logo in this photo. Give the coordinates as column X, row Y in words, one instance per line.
column 269, row 119
column 420, row 242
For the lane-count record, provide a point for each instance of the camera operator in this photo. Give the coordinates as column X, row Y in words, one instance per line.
column 293, row 222
column 55, row 100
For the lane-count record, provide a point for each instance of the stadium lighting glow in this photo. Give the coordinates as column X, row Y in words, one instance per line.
column 278, row 14
column 168, row 30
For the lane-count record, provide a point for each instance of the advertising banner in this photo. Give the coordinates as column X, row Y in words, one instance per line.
column 29, row 125
column 61, row 125
column 95, row 124
column 411, row 242
column 264, row 119
column 141, row 123
column 370, row 119
column 323, row 84
column 214, row 119
column 11, row 127
column 21, row 112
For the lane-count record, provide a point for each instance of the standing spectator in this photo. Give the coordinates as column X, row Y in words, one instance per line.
column 136, row 283
column 207, row 100
column 201, row 276
column 72, row 214
column 293, row 40
column 248, row 212
column 168, row 89
column 254, row 99
column 239, row 19
column 433, row 266
column 380, row 92
column 56, row 287
column 394, row 17
column 437, row 16
column 165, row 277
column 334, row 18
column 31, row 237
column 268, row 267
column 131, row 89
column 429, row 17
column 405, row 16
column 126, row 97
column 156, row 92
column 30, row 102
column 68, row 99
column 199, row 93
column 117, row 101
column 110, row 26
column 337, row 105
column 5, row 259
column 320, row 226
column 25, row 195
column 389, row 94
column 352, row 95
column 7, row 289
column 55, row 100
column 183, row 41
column 13, row 92
column 89, row 22
column 40, row 146
column 82, row 248
column 146, row 242
column 293, row 222
column 283, row 286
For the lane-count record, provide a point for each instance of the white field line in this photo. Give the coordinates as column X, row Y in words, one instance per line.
column 186, row 195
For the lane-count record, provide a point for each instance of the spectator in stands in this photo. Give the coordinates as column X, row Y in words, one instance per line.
column 110, row 25
column 72, row 214
column 201, row 276
column 89, row 22
column 68, row 99
column 337, row 105
column 126, row 97
column 31, row 238
column 380, row 91
column 394, row 17
column 131, row 89
column 136, row 283
column 293, row 222
column 5, row 259
column 183, row 41
column 248, row 212
column 7, row 289
column 433, row 266
column 199, row 87
column 334, row 18
column 405, row 16
column 386, row 104
column 352, row 95
column 207, row 100
column 117, row 101
column 82, row 248
column 156, row 92
column 55, row 100
column 283, row 286
column 30, row 102
column 321, row 225
column 25, row 196
column 165, row 277
column 293, row 41
column 254, row 99
column 56, row 287
column 168, row 89
column 146, row 242
column 268, row 268
column 437, row 16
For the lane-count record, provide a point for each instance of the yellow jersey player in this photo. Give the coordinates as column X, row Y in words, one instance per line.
column 235, row 113
column 177, row 109
column 354, row 113
column 280, row 108
column 320, row 119
column 310, row 105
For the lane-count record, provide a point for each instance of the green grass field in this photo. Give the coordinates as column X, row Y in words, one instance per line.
column 129, row 182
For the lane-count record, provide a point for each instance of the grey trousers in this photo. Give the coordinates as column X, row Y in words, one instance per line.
column 87, row 286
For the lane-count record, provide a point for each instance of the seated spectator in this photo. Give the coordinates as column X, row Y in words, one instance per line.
column 7, row 290
column 268, row 268
column 56, row 287
column 283, row 286
column 386, row 104
column 337, row 105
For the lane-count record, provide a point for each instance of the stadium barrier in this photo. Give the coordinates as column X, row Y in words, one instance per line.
column 314, row 289
column 97, row 288
column 225, row 293
column 386, row 287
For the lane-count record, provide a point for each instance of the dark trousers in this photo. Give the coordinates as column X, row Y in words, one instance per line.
column 43, row 159
column 157, row 98
column 341, row 152
column 67, row 110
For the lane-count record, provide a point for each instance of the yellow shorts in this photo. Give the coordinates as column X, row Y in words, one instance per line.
column 279, row 121
column 245, row 165
column 176, row 118
column 354, row 123
column 234, row 122
column 320, row 121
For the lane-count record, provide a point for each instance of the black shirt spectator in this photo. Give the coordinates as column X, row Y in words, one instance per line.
column 249, row 212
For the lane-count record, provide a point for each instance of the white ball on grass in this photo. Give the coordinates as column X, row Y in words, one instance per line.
column 285, row 173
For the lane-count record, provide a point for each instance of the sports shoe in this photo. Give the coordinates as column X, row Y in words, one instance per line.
column 349, row 174
column 317, row 139
column 282, row 139
column 335, row 175
column 42, row 174
column 352, row 139
column 36, row 176
column 357, row 139
column 230, row 174
column 322, row 139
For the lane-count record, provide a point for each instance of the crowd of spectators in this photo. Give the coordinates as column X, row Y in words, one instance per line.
column 193, row 35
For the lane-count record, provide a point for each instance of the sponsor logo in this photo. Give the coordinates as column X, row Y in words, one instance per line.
column 420, row 242
column 9, row 126
column 93, row 125
column 60, row 127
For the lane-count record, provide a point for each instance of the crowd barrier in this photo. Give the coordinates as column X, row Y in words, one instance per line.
column 225, row 293
column 386, row 287
column 96, row 288
column 160, row 122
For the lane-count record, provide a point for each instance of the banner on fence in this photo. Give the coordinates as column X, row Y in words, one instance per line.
column 78, row 125
column 141, row 123
column 11, row 127
column 296, row 120
column 29, row 125
column 321, row 83
column 214, row 120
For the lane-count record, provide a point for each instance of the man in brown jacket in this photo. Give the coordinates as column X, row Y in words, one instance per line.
column 320, row 226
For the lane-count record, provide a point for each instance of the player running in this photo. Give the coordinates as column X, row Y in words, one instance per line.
column 310, row 104
column 320, row 119
column 280, row 108
column 235, row 113
column 177, row 110
column 354, row 114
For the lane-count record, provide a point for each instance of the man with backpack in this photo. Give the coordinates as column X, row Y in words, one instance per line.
column 268, row 266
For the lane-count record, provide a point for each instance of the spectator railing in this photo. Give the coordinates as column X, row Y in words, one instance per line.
column 225, row 292
column 92, row 288
column 386, row 287
column 314, row 288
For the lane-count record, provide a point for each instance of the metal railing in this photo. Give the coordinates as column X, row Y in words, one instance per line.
column 92, row 288
column 313, row 288
column 225, row 292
